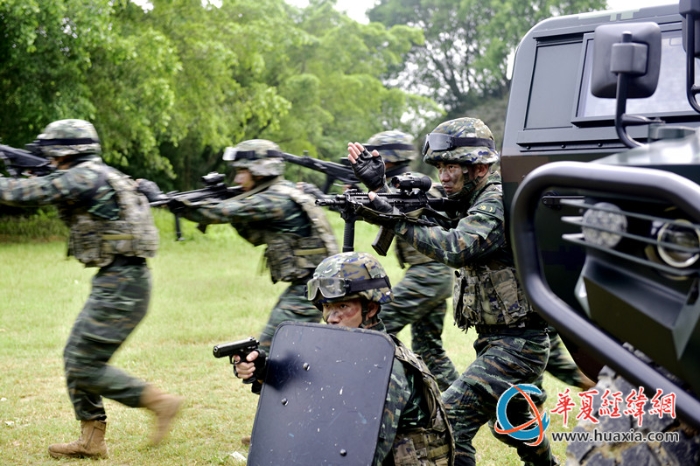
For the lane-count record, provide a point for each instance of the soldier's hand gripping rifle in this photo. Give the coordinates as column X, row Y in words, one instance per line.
column 20, row 161
column 411, row 203
column 214, row 188
column 333, row 171
column 242, row 348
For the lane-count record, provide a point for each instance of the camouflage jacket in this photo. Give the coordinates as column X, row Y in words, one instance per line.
column 486, row 288
column 101, row 206
column 295, row 230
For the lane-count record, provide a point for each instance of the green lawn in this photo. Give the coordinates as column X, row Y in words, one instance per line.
column 207, row 290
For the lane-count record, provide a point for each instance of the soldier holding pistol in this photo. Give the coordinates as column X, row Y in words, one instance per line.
column 350, row 289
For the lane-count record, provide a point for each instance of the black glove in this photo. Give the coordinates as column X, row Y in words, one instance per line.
column 176, row 206
column 369, row 170
column 151, row 190
column 312, row 189
column 381, row 205
column 380, row 212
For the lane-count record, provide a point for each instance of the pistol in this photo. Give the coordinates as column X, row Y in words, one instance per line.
column 243, row 348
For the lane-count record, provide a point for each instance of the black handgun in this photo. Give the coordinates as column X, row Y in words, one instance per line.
column 243, row 348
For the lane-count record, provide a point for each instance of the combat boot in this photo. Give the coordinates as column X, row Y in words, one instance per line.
column 91, row 443
column 164, row 406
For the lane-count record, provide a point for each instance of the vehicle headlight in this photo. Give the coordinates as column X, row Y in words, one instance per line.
column 679, row 233
column 601, row 224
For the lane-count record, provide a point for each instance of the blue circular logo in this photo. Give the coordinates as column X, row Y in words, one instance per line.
column 533, row 429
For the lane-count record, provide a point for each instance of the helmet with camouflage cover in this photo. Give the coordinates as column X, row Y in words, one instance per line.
column 465, row 141
column 349, row 275
column 260, row 156
column 69, row 137
column 394, row 146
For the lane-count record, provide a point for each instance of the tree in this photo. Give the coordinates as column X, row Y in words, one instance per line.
column 333, row 76
column 171, row 83
column 467, row 43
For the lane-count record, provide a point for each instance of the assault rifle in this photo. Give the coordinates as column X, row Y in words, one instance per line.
column 410, row 203
column 214, row 188
column 333, row 171
column 21, row 161
column 242, row 348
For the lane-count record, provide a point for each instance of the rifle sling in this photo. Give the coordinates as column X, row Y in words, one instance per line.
column 117, row 237
column 310, row 252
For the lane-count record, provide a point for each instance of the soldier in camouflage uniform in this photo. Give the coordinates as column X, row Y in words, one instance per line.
column 420, row 297
column 272, row 211
column 512, row 345
column 350, row 289
column 110, row 228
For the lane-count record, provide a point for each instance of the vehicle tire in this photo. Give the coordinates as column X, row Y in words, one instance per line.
column 684, row 452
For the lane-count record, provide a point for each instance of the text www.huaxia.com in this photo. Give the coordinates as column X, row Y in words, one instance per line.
column 618, row 437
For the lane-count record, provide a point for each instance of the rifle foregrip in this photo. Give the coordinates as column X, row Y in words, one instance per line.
column 349, row 236
column 382, row 242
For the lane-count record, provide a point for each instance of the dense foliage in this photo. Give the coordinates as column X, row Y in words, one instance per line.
column 464, row 58
column 170, row 83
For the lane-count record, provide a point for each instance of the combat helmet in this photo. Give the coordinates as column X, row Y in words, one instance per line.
column 394, row 146
column 349, row 275
column 260, row 156
column 465, row 141
column 69, row 137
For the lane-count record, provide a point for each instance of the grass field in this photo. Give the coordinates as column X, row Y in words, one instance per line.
column 207, row 290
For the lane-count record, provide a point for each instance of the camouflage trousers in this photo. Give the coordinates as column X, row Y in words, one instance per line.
column 420, row 300
column 117, row 303
column 502, row 361
column 560, row 364
column 292, row 305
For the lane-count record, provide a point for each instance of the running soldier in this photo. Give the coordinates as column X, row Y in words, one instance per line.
column 272, row 211
column 111, row 229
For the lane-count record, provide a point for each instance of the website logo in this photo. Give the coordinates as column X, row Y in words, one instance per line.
column 533, row 429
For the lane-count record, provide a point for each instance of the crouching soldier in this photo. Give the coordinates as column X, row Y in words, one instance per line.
column 349, row 289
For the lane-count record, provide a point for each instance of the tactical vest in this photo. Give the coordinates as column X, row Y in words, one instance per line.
column 291, row 257
column 488, row 294
column 432, row 445
column 95, row 241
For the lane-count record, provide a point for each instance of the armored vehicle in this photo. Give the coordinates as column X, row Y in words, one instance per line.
column 601, row 171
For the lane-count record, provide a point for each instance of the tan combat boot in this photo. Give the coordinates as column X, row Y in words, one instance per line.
column 91, row 443
column 164, row 406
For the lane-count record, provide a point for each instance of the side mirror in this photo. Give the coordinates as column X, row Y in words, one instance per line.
column 626, row 64
column 690, row 10
column 630, row 49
